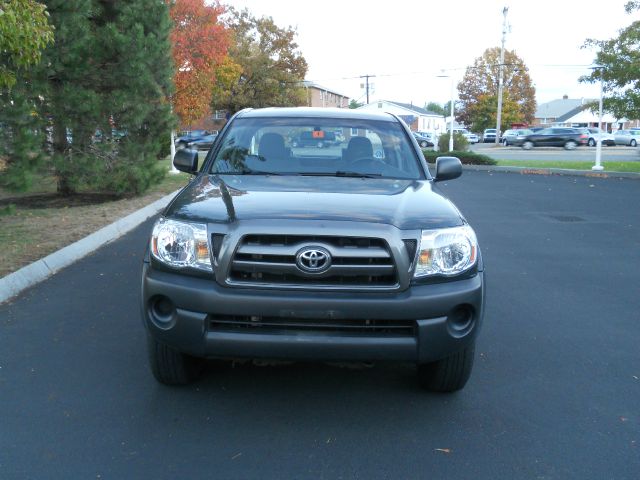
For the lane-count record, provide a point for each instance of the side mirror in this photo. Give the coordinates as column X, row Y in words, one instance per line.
column 186, row 160
column 447, row 168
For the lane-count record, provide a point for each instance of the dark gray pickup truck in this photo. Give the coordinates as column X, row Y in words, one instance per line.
column 342, row 253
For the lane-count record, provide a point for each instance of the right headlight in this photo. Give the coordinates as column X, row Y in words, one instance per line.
column 181, row 244
column 446, row 251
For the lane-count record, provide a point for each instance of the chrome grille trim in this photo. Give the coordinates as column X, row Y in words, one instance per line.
column 270, row 260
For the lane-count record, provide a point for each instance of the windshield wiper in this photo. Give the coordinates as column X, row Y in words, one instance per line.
column 346, row 173
column 341, row 173
column 255, row 172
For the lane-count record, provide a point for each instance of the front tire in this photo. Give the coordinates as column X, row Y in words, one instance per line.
column 592, row 142
column 633, row 143
column 527, row 145
column 424, row 144
column 170, row 366
column 570, row 145
column 449, row 374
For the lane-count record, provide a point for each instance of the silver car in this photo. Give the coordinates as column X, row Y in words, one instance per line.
column 627, row 137
column 514, row 136
column 594, row 133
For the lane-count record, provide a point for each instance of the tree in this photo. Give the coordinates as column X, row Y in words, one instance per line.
column 619, row 58
column 24, row 32
column 355, row 104
column 484, row 111
column 200, row 42
column 460, row 142
column 110, row 72
column 436, row 108
column 480, row 82
column 269, row 69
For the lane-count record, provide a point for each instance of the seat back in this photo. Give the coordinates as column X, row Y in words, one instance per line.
column 358, row 148
column 272, row 149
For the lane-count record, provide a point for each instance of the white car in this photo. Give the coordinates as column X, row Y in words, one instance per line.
column 489, row 135
column 471, row 137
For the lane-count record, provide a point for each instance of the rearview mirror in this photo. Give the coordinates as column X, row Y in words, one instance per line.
column 447, row 168
column 186, row 160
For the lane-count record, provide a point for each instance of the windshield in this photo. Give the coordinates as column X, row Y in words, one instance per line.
column 317, row 146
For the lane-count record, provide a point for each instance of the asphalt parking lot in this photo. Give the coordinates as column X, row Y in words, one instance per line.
column 555, row 393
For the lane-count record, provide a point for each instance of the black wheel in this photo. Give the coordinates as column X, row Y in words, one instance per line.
column 570, row 145
column 424, row 144
column 170, row 366
column 449, row 374
column 633, row 143
column 592, row 142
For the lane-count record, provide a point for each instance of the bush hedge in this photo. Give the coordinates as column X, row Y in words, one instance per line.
column 467, row 158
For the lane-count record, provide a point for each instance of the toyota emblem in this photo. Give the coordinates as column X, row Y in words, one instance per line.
column 313, row 260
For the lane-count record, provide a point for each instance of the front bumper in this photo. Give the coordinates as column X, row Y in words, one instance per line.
column 433, row 310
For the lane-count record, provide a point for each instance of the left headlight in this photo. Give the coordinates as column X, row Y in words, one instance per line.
column 181, row 244
column 446, row 251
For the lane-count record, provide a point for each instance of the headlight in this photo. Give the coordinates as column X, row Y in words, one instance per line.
column 446, row 251
column 180, row 244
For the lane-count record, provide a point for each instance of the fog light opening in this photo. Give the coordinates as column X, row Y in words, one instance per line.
column 163, row 311
column 461, row 319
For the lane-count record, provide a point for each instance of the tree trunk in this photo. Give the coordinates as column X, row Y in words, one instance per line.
column 61, row 150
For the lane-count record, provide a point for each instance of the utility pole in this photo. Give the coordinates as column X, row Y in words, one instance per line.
column 501, row 74
column 367, row 84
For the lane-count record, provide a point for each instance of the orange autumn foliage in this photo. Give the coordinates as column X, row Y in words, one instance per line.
column 200, row 42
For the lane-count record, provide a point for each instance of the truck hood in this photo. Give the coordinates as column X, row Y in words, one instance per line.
column 406, row 204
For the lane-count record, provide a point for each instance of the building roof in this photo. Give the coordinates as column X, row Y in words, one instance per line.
column 310, row 84
column 418, row 110
column 561, row 107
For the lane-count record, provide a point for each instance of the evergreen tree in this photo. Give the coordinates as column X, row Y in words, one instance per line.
column 135, row 84
column 99, row 96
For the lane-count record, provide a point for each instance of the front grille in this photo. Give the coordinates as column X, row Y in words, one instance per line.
column 270, row 260
column 282, row 325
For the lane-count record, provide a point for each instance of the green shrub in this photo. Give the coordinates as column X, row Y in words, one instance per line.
column 460, row 142
column 467, row 158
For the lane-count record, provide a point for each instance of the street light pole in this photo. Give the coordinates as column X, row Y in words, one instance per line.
column 500, row 75
column 451, row 120
column 598, row 165
column 452, row 112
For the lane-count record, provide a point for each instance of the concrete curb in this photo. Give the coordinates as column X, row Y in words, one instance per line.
column 553, row 171
column 16, row 282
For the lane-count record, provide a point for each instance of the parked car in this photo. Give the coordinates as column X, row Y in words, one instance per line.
column 569, row 138
column 203, row 143
column 627, row 137
column 472, row 138
column 431, row 136
column 594, row 133
column 314, row 138
column 273, row 252
column 489, row 135
column 189, row 136
column 423, row 140
column 514, row 136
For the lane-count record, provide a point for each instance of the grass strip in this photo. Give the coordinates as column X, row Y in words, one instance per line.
column 608, row 166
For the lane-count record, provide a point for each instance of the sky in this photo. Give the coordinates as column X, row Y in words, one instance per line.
column 407, row 44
